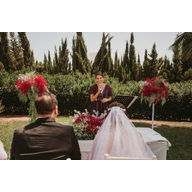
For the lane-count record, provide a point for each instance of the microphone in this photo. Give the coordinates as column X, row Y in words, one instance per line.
column 100, row 88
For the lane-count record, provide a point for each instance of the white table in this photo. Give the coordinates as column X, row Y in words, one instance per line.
column 158, row 144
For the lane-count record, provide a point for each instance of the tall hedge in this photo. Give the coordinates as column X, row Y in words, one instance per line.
column 177, row 107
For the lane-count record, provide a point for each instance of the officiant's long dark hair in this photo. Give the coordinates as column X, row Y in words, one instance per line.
column 99, row 73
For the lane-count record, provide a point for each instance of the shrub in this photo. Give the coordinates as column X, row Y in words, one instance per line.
column 177, row 107
column 1, row 106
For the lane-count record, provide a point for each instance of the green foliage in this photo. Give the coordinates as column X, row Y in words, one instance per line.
column 154, row 63
column 185, row 40
column 15, row 54
column 32, row 111
column 27, row 53
column 132, row 59
column 177, row 107
column 103, row 61
column 146, row 72
column 21, row 97
column 2, row 68
column 1, row 107
column 188, row 74
column 79, row 56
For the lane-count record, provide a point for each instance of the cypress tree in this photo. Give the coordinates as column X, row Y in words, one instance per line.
column 154, row 63
column 56, row 62
column 95, row 65
column 45, row 62
column 17, row 52
column 126, row 63
column 40, row 68
column 139, row 70
column 103, row 61
column 166, row 69
column 37, row 65
column 116, row 66
column 3, row 47
column 11, row 62
column 32, row 60
column 63, row 57
column 2, row 68
column 177, row 70
column 28, row 57
column 132, row 58
column 54, row 71
column 79, row 56
column 146, row 71
column 110, row 69
column 50, row 67
column 7, row 57
column 70, row 68
column 122, row 73
column 82, row 55
column 73, row 55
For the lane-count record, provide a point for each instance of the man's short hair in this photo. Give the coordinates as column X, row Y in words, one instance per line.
column 45, row 103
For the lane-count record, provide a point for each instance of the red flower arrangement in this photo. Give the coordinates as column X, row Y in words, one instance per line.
column 94, row 124
column 154, row 90
column 89, row 123
column 30, row 85
column 24, row 83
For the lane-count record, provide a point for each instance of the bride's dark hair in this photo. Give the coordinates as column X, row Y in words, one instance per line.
column 116, row 104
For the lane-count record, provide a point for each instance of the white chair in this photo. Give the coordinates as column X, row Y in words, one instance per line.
column 107, row 157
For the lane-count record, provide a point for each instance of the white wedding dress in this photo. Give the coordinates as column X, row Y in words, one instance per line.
column 118, row 137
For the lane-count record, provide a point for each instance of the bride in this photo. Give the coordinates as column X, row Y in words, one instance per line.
column 118, row 137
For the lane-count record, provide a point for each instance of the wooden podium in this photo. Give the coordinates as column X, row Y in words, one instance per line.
column 126, row 100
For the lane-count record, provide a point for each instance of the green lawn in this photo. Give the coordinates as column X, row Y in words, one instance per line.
column 180, row 137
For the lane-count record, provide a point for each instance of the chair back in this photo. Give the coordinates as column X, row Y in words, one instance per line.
column 107, row 157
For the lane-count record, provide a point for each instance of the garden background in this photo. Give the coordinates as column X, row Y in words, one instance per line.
column 122, row 74
column 177, row 107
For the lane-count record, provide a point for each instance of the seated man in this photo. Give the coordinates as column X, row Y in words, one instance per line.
column 45, row 139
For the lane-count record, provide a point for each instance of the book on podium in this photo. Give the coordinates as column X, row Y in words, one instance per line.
column 126, row 100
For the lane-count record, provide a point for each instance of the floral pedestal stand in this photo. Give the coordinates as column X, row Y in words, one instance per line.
column 153, row 111
column 154, row 90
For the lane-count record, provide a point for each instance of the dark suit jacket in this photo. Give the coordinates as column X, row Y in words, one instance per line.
column 45, row 139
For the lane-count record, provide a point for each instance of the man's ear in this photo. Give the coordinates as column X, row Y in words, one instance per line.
column 56, row 110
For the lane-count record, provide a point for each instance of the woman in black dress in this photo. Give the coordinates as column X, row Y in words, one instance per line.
column 100, row 94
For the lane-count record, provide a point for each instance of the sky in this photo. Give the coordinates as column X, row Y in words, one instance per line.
column 41, row 42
